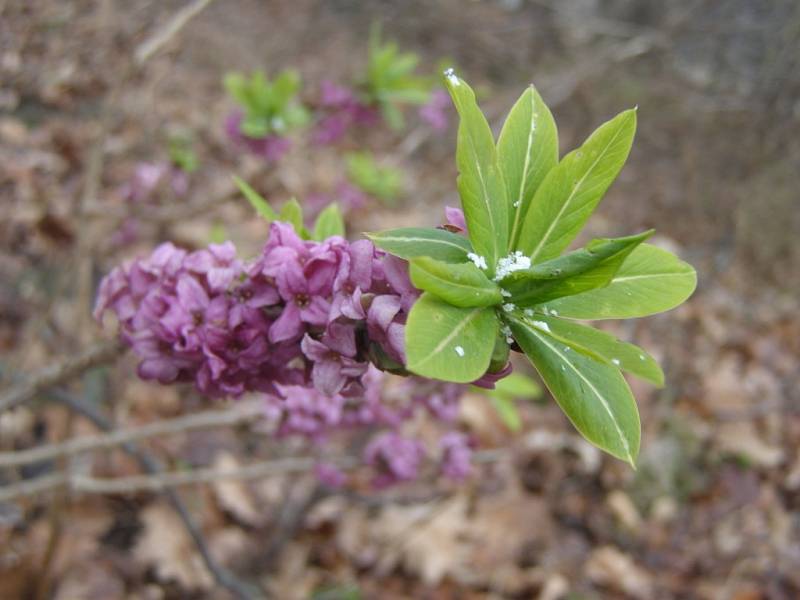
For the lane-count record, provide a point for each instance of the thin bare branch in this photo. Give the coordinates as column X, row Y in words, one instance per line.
column 84, row 484
column 239, row 413
column 99, row 354
column 170, row 29
column 150, row 464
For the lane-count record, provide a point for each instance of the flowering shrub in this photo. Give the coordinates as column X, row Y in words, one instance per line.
column 314, row 321
column 507, row 282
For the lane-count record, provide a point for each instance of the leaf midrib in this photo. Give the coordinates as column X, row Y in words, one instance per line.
column 483, row 290
column 600, row 397
column 447, row 339
column 518, row 208
column 572, row 194
column 422, row 239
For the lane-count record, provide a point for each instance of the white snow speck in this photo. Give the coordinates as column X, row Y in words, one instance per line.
column 459, row 350
column 516, row 261
column 505, row 293
column 528, row 312
column 615, row 361
column 509, row 306
column 541, row 325
column 479, row 261
column 554, row 312
column 452, row 77
column 516, row 204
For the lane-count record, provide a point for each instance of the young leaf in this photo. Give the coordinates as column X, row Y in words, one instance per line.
column 571, row 190
column 507, row 411
column 291, row 212
column 329, row 223
column 588, row 268
column 650, row 281
column 594, row 396
column 463, row 285
column 526, row 150
column 480, row 183
column 604, row 347
column 449, row 343
column 411, row 242
column 256, row 200
column 519, row 387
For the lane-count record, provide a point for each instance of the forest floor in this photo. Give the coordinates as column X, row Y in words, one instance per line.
column 713, row 510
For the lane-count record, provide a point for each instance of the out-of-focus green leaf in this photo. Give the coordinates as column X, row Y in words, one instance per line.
column 329, row 223
column 256, row 200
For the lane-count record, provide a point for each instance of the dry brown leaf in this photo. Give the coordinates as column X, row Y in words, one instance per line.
column 165, row 545
column 233, row 495
column 611, row 568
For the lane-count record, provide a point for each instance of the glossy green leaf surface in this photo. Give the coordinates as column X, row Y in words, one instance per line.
column 572, row 189
column 588, row 268
column 449, row 343
column 480, row 183
column 650, row 281
column 604, row 347
column 411, row 242
column 463, row 285
column 594, row 396
column 527, row 150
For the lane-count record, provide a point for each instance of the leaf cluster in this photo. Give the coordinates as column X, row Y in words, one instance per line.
column 381, row 182
column 509, row 283
column 390, row 80
column 270, row 107
column 329, row 222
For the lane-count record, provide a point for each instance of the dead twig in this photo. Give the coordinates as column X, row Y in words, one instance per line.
column 170, row 29
column 85, row 484
column 99, row 354
column 240, row 413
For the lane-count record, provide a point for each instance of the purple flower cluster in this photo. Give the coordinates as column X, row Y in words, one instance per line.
column 270, row 147
column 312, row 325
column 300, row 312
column 340, row 109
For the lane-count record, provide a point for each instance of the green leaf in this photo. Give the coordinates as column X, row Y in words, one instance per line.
column 384, row 183
column 588, row 268
column 650, row 281
column 527, row 150
column 411, row 242
column 604, row 347
column 507, row 411
column 594, row 396
column 449, row 343
column 291, row 212
column 518, row 386
column 571, row 190
column 329, row 223
column 256, row 200
column 480, row 183
column 463, row 285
